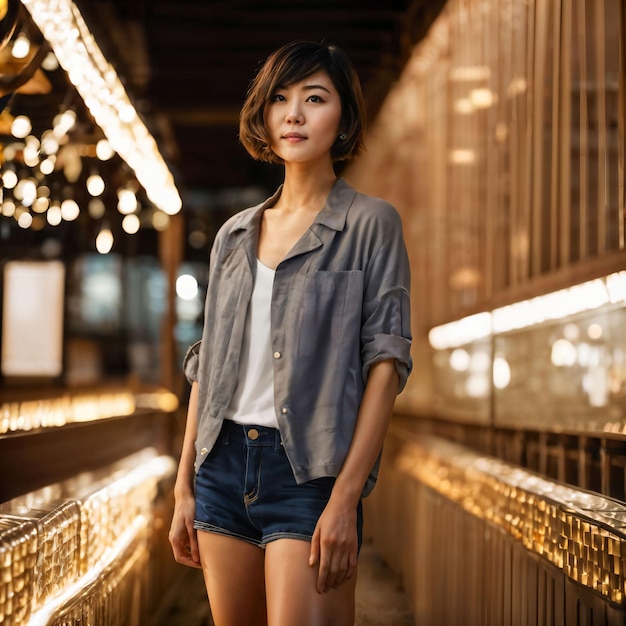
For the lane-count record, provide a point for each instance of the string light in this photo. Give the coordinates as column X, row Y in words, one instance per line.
column 96, row 81
column 104, row 240
column 21, row 126
column 95, row 185
column 21, row 47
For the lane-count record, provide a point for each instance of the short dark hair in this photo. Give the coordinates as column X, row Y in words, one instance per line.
column 290, row 64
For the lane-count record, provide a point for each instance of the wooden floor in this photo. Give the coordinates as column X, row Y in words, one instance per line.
column 380, row 600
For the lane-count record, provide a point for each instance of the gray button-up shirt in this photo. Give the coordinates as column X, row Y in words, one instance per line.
column 340, row 303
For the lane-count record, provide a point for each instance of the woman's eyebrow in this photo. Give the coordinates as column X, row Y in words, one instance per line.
column 317, row 87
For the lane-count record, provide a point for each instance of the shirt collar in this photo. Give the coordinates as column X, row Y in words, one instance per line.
column 333, row 214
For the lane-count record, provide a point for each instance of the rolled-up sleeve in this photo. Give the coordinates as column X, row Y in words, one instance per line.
column 386, row 329
column 191, row 362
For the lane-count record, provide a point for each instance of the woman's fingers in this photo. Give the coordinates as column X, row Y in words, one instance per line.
column 336, row 566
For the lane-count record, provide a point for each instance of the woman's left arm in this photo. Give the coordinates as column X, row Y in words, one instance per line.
column 334, row 542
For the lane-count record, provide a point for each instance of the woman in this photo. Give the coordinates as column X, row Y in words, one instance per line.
column 305, row 345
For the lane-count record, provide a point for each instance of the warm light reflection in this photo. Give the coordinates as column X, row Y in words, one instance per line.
column 459, row 360
column 462, row 157
column 552, row 306
column 501, row 372
column 460, row 332
column 70, row 547
column 563, row 353
column 578, row 532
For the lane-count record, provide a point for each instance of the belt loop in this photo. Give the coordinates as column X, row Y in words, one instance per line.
column 278, row 444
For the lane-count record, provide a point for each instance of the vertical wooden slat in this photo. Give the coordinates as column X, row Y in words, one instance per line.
column 527, row 173
column 555, row 235
column 538, row 124
column 563, row 169
column 507, row 582
column 600, row 72
column 583, row 129
column 514, row 151
column 621, row 149
column 485, row 255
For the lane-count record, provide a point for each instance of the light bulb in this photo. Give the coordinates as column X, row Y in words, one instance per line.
column 95, row 185
column 21, row 126
column 104, row 240
column 21, row 47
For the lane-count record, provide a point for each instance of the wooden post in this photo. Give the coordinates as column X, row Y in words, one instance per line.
column 171, row 256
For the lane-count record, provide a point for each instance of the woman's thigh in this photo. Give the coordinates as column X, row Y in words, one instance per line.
column 234, row 577
column 291, row 594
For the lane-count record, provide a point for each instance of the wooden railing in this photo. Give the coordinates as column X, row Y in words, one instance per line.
column 481, row 542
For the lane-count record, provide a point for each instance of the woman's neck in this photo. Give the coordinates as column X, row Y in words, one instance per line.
column 306, row 187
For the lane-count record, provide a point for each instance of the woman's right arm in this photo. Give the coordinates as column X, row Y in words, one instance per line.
column 182, row 534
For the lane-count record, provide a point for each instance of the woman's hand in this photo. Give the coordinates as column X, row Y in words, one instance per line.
column 182, row 534
column 334, row 545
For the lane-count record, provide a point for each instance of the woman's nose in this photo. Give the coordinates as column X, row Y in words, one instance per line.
column 294, row 113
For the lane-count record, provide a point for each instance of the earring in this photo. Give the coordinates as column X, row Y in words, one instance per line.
column 343, row 137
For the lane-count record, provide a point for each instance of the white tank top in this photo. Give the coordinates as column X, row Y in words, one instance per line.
column 253, row 400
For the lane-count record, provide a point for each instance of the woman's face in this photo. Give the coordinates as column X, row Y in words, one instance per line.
column 302, row 120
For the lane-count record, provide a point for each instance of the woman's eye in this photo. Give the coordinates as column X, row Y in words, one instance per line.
column 277, row 97
column 316, row 99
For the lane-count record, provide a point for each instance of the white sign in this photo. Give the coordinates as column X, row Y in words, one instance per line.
column 32, row 318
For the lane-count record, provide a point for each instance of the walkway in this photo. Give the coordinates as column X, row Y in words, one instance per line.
column 380, row 599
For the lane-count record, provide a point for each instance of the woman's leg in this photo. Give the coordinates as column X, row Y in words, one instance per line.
column 234, row 578
column 292, row 597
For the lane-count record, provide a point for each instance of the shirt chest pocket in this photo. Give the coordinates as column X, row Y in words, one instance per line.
column 331, row 307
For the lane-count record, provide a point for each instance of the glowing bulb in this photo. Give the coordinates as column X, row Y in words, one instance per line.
column 50, row 62
column 26, row 190
column 9, row 179
column 69, row 210
column 104, row 240
column 21, row 47
column 95, row 185
column 21, row 126
column 126, row 201
column 130, row 224
column 186, row 287
column 46, row 167
column 31, row 155
column 40, row 205
column 54, row 215
column 63, row 122
column 104, row 151
column 25, row 220
column 8, row 208
column 49, row 142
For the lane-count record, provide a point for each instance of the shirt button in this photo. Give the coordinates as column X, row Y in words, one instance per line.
column 277, row 355
column 203, row 451
column 284, row 410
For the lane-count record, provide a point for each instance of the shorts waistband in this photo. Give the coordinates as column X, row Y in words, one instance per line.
column 250, row 434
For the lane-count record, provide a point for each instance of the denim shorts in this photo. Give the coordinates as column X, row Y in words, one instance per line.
column 246, row 489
